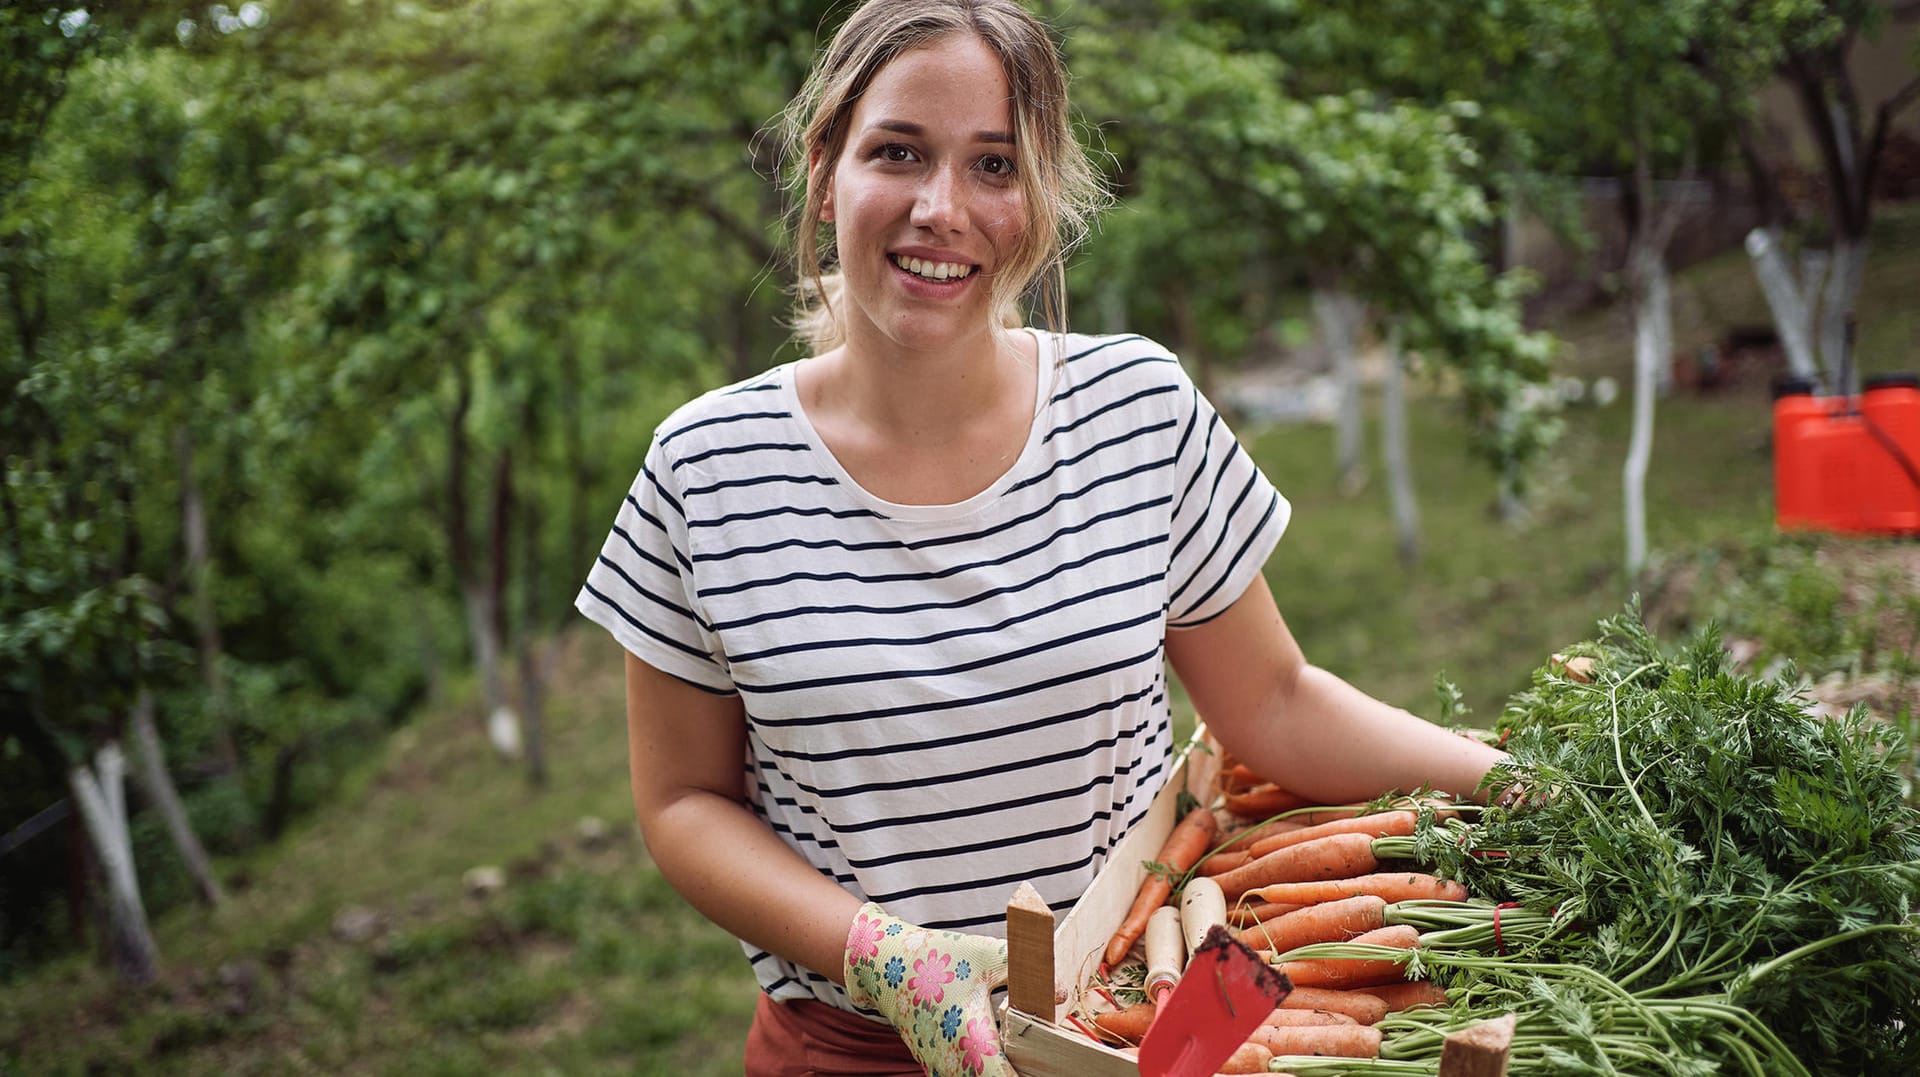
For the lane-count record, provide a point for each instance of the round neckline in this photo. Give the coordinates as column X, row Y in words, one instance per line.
column 1045, row 361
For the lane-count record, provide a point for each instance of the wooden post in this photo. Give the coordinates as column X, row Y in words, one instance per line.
column 1030, row 954
column 1478, row 1050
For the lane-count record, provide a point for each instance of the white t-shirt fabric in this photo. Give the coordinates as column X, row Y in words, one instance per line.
column 943, row 701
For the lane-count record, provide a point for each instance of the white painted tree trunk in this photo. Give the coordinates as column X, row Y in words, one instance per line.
column 158, row 785
column 503, row 725
column 1337, row 314
column 1842, row 289
column 1393, row 452
column 1792, row 314
column 99, row 791
column 1652, row 345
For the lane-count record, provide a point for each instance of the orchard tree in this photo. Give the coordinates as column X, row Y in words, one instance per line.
column 1376, row 194
column 1809, row 44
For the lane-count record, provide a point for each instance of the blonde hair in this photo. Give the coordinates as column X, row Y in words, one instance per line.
column 1058, row 183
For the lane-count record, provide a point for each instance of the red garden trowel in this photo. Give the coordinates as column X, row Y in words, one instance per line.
column 1203, row 1014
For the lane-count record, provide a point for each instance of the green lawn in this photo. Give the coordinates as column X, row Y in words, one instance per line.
column 586, row 962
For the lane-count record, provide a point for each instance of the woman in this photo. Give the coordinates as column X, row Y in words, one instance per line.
column 897, row 613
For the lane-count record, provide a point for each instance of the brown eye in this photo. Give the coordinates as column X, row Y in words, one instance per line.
column 994, row 164
column 894, row 151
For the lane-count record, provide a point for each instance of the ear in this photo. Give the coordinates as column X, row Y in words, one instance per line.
column 816, row 174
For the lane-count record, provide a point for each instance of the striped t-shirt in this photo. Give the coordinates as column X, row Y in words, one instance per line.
column 943, row 701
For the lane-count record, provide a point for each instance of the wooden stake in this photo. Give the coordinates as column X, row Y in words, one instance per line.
column 1030, row 954
column 1479, row 1050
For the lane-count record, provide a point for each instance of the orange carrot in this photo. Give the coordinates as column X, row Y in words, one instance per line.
column 1249, row 1057
column 1238, row 778
column 1244, row 839
column 1337, row 856
column 1185, row 845
column 1221, row 863
column 1249, row 913
column 1378, row 825
column 1328, row 813
column 1363, row 1008
column 1333, row 921
column 1129, row 1024
column 1391, row 885
column 1264, row 800
column 1411, row 993
column 1336, row 1041
column 1295, row 1018
column 1350, row 973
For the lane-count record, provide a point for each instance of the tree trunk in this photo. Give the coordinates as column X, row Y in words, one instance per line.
column 193, row 531
column 1110, row 306
column 533, row 681
column 159, row 788
column 1393, row 452
column 1652, row 344
column 1842, row 289
column 99, row 792
column 503, row 725
column 1792, row 314
column 1338, row 316
column 1187, row 341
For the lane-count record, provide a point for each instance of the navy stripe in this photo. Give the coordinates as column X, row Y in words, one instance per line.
column 1219, row 473
column 1221, row 534
column 1114, row 371
column 666, row 640
column 997, row 659
column 787, row 510
column 927, row 781
column 1121, row 439
column 642, row 553
column 1233, row 563
column 975, row 811
column 1103, row 346
column 1112, row 405
column 970, row 737
column 960, row 603
column 761, row 480
column 957, row 633
column 722, row 420
column 663, row 602
column 666, row 496
column 733, row 450
column 932, row 706
column 931, row 574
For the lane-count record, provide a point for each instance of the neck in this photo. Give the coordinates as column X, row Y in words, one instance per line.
column 935, row 392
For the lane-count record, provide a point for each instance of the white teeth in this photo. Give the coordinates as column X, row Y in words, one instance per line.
column 920, row 267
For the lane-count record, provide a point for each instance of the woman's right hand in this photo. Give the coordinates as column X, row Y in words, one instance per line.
column 936, row 987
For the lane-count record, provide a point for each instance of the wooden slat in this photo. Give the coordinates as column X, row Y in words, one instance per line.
column 1478, row 1050
column 1030, row 985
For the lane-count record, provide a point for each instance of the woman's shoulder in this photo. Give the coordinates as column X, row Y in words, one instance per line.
column 721, row 414
column 1120, row 358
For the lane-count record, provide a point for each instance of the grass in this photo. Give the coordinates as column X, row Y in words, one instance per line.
column 586, row 962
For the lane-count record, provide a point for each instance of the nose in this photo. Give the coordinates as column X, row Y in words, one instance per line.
column 940, row 203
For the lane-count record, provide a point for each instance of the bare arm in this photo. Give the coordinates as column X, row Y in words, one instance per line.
column 684, row 749
column 1303, row 727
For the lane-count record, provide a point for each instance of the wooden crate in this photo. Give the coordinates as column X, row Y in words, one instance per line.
column 1048, row 964
column 1041, row 1044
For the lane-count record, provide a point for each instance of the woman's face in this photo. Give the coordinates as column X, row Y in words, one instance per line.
column 923, row 198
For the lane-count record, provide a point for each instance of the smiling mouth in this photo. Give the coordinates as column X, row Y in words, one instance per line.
column 933, row 271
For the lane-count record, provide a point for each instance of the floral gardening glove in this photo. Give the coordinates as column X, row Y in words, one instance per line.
column 935, row 986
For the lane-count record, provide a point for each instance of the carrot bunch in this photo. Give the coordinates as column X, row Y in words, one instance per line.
column 1318, row 890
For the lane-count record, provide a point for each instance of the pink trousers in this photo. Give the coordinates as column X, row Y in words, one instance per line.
column 812, row 1039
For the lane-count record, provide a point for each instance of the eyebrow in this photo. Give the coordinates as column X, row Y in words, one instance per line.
column 905, row 127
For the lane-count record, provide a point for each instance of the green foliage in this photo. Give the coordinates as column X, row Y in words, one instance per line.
column 1705, row 834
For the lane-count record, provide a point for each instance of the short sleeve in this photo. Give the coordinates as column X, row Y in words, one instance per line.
column 1227, row 517
column 641, row 587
